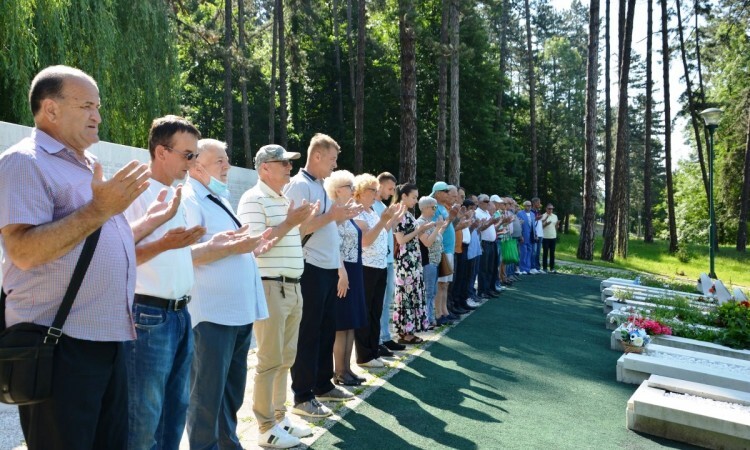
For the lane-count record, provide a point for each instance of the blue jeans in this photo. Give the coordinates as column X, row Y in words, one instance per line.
column 430, row 273
column 217, row 384
column 385, row 318
column 158, row 366
column 537, row 245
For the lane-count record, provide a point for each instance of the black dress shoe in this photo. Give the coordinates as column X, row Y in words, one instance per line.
column 357, row 377
column 346, row 380
column 383, row 351
column 390, row 345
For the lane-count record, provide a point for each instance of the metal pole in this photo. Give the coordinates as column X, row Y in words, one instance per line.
column 712, row 227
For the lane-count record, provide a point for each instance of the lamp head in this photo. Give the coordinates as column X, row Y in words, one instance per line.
column 712, row 116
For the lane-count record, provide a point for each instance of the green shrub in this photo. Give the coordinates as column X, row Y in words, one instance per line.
column 735, row 318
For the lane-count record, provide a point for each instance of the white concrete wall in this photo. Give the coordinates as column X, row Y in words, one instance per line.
column 113, row 156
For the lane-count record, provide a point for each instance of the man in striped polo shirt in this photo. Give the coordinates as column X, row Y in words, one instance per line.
column 281, row 267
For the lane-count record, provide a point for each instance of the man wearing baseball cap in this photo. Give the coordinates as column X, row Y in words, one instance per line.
column 280, row 269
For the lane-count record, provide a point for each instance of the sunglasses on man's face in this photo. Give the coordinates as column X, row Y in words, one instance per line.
column 187, row 155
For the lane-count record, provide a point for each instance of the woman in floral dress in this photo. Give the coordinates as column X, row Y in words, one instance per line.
column 410, row 315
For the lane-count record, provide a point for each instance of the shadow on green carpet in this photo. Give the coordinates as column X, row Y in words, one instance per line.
column 529, row 370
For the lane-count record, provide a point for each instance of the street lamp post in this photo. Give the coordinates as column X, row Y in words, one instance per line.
column 711, row 116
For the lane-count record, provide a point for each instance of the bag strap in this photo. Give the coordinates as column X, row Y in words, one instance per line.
column 55, row 330
column 222, row 206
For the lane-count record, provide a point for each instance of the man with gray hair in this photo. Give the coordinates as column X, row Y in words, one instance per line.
column 264, row 205
column 53, row 195
column 224, row 305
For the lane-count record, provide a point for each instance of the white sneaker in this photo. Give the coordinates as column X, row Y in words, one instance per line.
column 542, row 271
column 533, row 271
column 472, row 303
column 376, row 363
column 276, row 437
column 296, row 430
column 524, row 273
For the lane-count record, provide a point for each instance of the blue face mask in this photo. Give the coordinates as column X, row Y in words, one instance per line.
column 218, row 188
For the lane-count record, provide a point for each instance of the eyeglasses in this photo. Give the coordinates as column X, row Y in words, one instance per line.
column 347, row 186
column 371, row 189
column 187, row 155
column 283, row 162
column 550, row 209
column 485, row 201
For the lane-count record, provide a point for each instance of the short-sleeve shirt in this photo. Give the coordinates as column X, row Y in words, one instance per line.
column 41, row 182
column 219, row 295
column 322, row 248
column 550, row 231
column 169, row 274
column 449, row 235
column 259, row 208
column 488, row 234
column 376, row 254
column 379, row 207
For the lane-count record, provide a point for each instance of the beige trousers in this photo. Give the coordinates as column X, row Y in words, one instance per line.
column 277, row 348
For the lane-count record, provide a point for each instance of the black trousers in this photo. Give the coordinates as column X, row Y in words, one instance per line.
column 548, row 249
column 461, row 275
column 367, row 338
column 313, row 366
column 89, row 406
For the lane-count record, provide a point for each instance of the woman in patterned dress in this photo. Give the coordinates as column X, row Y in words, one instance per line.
column 410, row 315
column 350, row 310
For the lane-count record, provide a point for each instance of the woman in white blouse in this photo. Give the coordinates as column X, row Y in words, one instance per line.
column 374, row 262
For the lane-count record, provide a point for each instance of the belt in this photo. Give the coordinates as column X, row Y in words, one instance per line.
column 168, row 304
column 282, row 278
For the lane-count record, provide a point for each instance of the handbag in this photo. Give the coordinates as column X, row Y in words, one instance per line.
column 445, row 268
column 27, row 350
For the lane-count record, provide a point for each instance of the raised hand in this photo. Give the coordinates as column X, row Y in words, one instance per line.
column 160, row 211
column 296, row 216
column 346, row 211
column 424, row 227
column 113, row 196
column 391, row 212
column 182, row 237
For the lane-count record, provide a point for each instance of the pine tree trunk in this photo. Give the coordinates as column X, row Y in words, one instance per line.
column 694, row 116
column 350, row 44
column 648, row 225
column 228, row 112
column 607, row 117
column 243, row 85
column 359, row 104
column 282, row 73
column 745, row 201
column 668, row 129
column 504, row 19
column 442, row 91
column 454, row 176
column 586, row 239
column 272, row 86
column 408, row 147
column 622, row 168
column 532, row 101
column 619, row 181
column 620, row 33
column 337, row 62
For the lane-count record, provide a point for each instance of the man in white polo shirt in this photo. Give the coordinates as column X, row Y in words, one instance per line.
column 227, row 298
column 281, row 268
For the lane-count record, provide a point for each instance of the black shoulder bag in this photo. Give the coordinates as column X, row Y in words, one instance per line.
column 27, row 349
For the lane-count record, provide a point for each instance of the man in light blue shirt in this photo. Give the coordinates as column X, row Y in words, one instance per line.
column 227, row 297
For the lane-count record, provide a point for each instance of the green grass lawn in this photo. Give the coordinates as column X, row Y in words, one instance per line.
column 731, row 267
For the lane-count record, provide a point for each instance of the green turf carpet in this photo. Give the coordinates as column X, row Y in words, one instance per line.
column 529, row 370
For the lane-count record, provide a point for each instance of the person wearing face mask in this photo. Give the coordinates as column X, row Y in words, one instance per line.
column 224, row 304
